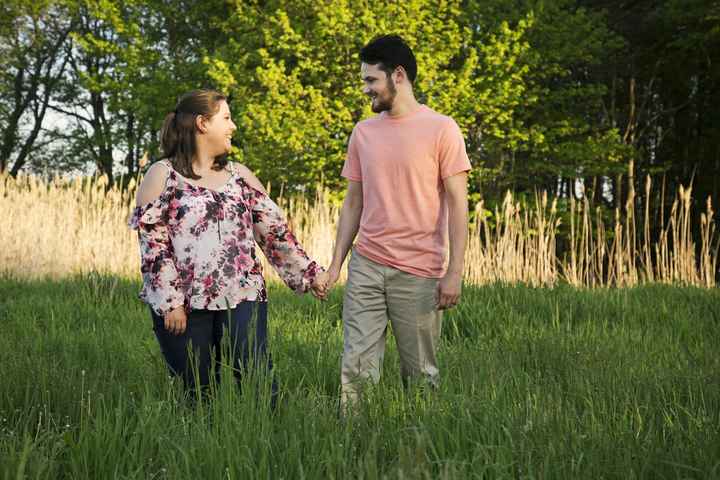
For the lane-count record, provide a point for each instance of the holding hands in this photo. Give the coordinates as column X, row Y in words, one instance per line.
column 324, row 282
column 319, row 287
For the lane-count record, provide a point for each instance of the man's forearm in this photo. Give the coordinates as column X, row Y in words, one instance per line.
column 458, row 232
column 348, row 226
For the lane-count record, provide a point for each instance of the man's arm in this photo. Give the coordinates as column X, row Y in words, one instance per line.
column 347, row 229
column 450, row 285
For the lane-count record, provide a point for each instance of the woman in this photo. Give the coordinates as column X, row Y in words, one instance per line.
column 198, row 218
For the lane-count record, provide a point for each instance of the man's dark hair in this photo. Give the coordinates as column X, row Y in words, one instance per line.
column 390, row 52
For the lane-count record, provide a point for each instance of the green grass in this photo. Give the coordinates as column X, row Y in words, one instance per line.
column 537, row 383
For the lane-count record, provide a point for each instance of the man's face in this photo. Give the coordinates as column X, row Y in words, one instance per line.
column 379, row 86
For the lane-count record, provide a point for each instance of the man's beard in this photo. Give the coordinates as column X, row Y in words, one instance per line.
column 384, row 104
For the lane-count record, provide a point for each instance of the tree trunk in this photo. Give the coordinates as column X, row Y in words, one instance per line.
column 132, row 141
column 10, row 137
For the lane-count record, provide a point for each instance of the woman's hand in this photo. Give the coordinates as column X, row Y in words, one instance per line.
column 176, row 321
column 319, row 288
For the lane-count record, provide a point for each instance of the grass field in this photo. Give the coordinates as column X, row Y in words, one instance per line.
column 537, row 383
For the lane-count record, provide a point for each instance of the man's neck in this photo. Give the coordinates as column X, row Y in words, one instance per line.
column 403, row 106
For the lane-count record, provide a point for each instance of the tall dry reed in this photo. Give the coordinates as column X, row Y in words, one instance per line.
column 60, row 227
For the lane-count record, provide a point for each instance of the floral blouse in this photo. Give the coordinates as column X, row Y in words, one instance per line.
column 197, row 246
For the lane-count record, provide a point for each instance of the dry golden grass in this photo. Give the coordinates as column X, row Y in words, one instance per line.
column 61, row 227
column 64, row 227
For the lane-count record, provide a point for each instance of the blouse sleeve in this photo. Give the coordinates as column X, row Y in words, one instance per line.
column 160, row 277
column 280, row 246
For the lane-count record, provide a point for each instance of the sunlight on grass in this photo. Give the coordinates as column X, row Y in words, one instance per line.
column 537, row 383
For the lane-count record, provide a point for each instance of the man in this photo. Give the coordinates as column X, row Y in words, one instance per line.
column 407, row 183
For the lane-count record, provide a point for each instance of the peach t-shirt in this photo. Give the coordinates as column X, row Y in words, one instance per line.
column 402, row 162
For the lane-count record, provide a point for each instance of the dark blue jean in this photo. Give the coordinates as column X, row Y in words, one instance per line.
column 246, row 325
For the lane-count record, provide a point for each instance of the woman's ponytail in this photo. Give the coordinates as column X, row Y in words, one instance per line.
column 169, row 135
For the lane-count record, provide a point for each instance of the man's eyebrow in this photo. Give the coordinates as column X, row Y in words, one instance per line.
column 369, row 77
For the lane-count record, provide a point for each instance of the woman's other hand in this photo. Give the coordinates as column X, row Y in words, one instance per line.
column 176, row 321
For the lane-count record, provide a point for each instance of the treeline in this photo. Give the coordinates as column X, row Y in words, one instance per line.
column 575, row 97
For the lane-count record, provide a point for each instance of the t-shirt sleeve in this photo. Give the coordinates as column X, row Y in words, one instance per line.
column 351, row 170
column 453, row 157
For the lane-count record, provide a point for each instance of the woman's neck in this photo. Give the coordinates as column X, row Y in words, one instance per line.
column 203, row 163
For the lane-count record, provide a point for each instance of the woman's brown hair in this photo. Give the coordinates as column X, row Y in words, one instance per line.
column 177, row 136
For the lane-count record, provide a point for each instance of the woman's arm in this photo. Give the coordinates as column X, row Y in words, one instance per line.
column 157, row 264
column 281, row 247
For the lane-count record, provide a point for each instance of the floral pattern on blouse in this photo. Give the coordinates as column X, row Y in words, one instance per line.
column 197, row 246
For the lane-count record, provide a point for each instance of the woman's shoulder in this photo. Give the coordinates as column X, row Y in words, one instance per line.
column 153, row 183
column 247, row 175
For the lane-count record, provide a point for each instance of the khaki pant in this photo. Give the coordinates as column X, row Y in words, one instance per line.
column 373, row 293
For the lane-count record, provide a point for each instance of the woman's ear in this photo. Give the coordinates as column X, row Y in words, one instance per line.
column 201, row 124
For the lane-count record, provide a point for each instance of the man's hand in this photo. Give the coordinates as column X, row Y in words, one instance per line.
column 319, row 288
column 176, row 321
column 333, row 275
column 449, row 289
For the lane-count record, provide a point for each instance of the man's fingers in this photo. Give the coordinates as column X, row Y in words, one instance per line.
column 453, row 300
column 443, row 302
column 447, row 301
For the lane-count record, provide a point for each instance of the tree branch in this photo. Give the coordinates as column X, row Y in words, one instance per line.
column 70, row 114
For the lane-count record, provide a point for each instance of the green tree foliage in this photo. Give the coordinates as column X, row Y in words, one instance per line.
column 294, row 70
column 129, row 62
column 549, row 94
column 516, row 77
column 32, row 39
column 662, row 85
column 557, row 129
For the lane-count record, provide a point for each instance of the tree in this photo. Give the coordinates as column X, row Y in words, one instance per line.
column 554, row 134
column 31, row 48
column 295, row 70
column 510, row 73
column 128, row 63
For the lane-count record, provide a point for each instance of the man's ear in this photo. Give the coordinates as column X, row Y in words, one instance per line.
column 400, row 75
column 201, row 124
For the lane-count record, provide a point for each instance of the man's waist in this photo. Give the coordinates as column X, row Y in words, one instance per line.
column 424, row 262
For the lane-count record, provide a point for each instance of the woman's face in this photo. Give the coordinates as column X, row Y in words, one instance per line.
column 219, row 130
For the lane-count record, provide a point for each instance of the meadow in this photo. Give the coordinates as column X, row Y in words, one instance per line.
column 543, row 377
column 537, row 383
